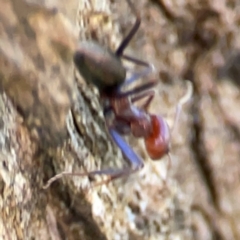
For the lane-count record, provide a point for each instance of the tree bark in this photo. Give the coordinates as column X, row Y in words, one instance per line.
column 51, row 121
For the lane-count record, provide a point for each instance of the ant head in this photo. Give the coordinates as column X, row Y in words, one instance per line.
column 157, row 143
column 99, row 65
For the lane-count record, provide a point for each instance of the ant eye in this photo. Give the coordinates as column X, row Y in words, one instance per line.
column 157, row 143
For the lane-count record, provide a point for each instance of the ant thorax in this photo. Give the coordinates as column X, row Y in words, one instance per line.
column 112, row 121
column 141, row 126
column 126, row 118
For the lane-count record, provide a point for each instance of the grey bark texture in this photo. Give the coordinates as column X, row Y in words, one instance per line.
column 51, row 122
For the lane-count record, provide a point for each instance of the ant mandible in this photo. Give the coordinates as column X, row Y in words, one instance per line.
column 104, row 69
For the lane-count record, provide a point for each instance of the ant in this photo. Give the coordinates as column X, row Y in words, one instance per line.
column 104, row 69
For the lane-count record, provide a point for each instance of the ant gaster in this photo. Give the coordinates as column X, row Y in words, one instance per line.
column 104, row 69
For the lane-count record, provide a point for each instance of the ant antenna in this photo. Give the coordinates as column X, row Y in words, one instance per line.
column 180, row 104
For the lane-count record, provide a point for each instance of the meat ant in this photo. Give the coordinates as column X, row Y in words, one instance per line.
column 104, row 69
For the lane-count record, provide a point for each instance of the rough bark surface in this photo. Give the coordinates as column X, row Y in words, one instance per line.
column 51, row 121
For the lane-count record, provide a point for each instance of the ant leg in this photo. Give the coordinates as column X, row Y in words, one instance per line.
column 137, row 61
column 181, row 102
column 111, row 173
column 139, row 89
column 145, row 105
column 136, row 163
column 148, row 69
column 132, row 32
column 136, row 76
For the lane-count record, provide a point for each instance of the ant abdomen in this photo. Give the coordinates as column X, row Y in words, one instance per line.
column 157, row 143
column 99, row 66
